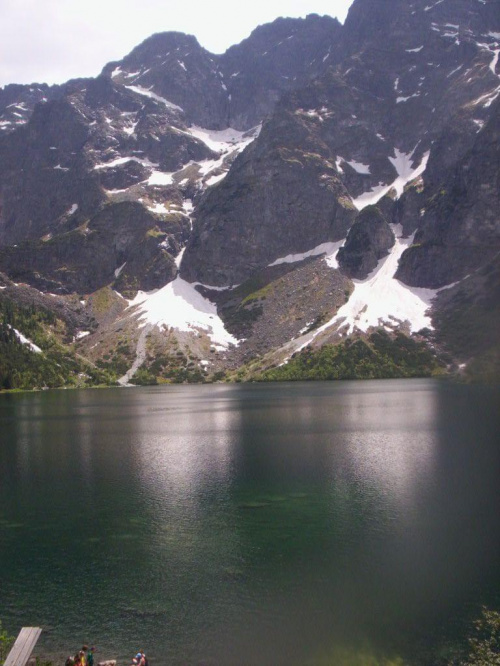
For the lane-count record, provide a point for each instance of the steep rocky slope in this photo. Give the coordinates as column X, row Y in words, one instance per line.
column 314, row 182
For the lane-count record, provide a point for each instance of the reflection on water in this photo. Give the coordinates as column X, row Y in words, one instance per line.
column 269, row 524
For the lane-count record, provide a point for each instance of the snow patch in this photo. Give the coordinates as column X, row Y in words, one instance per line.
column 187, row 206
column 405, row 99
column 123, row 160
column 494, row 62
column 178, row 305
column 402, row 162
column 71, row 210
column 213, row 180
column 159, row 209
column 147, row 92
column 487, row 99
column 328, row 249
column 223, row 141
column 359, row 167
column 160, row 178
column 381, row 298
column 24, row 340
column 454, row 71
column 119, row 269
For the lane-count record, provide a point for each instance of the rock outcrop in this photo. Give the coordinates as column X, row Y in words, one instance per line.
column 369, row 239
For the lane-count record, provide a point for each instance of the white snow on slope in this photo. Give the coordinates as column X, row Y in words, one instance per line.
column 487, row 99
column 160, row 209
column 131, row 129
column 178, row 305
column 363, row 169
column 213, row 180
column 123, row 160
column 148, row 93
column 380, row 298
column 402, row 162
column 71, row 210
column 405, row 99
column 224, row 141
column 494, row 62
column 24, row 340
column 160, row 178
column 119, row 270
column 328, row 249
column 429, row 7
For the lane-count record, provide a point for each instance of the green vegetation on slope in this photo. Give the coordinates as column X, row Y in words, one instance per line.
column 6, row 643
column 56, row 366
column 379, row 357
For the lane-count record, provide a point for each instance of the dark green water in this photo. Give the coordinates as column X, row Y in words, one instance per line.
column 266, row 524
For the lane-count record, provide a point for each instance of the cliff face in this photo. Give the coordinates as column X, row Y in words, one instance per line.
column 368, row 241
column 459, row 230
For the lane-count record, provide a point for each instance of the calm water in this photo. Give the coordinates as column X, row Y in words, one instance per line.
column 255, row 525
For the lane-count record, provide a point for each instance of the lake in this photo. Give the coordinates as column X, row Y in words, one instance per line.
column 274, row 524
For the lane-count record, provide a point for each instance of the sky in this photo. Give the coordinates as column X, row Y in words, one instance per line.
column 51, row 41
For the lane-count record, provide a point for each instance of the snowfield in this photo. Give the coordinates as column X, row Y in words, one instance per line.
column 381, row 300
column 178, row 305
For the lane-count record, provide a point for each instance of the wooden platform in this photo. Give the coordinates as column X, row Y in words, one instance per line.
column 23, row 647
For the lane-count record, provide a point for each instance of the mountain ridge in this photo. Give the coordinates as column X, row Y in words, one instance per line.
column 160, row 173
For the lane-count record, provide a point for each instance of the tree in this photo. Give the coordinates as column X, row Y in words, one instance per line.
column 6, row 642
column 484, row 645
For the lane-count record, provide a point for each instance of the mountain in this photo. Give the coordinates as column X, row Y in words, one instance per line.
column 215, row 215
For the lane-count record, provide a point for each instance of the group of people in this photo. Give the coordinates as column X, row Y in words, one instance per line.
column 140, row 659
column 84, row 657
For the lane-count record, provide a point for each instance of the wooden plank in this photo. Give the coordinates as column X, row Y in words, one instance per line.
column 23, row 647
column 28, row 645
column 25, row 643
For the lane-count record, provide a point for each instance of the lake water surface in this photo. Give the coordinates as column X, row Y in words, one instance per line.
column 251, row 524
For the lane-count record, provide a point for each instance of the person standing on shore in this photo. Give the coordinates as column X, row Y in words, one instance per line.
column 90, row 656
column 80, row 658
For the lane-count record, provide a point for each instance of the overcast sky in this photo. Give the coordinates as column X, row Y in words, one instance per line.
column 54, row 40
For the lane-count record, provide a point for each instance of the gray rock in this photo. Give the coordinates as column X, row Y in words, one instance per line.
column 369, row 240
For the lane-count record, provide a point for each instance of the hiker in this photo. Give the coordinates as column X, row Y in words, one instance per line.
column 90, row 656
column 80, row 659
column 140, row 659
column 70, row 661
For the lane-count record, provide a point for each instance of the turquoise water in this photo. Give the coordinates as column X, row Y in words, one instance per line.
column 251, row 524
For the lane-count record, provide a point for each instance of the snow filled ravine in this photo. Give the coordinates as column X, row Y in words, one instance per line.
column 178, row 305
column 381, row 300
column 402, row 162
